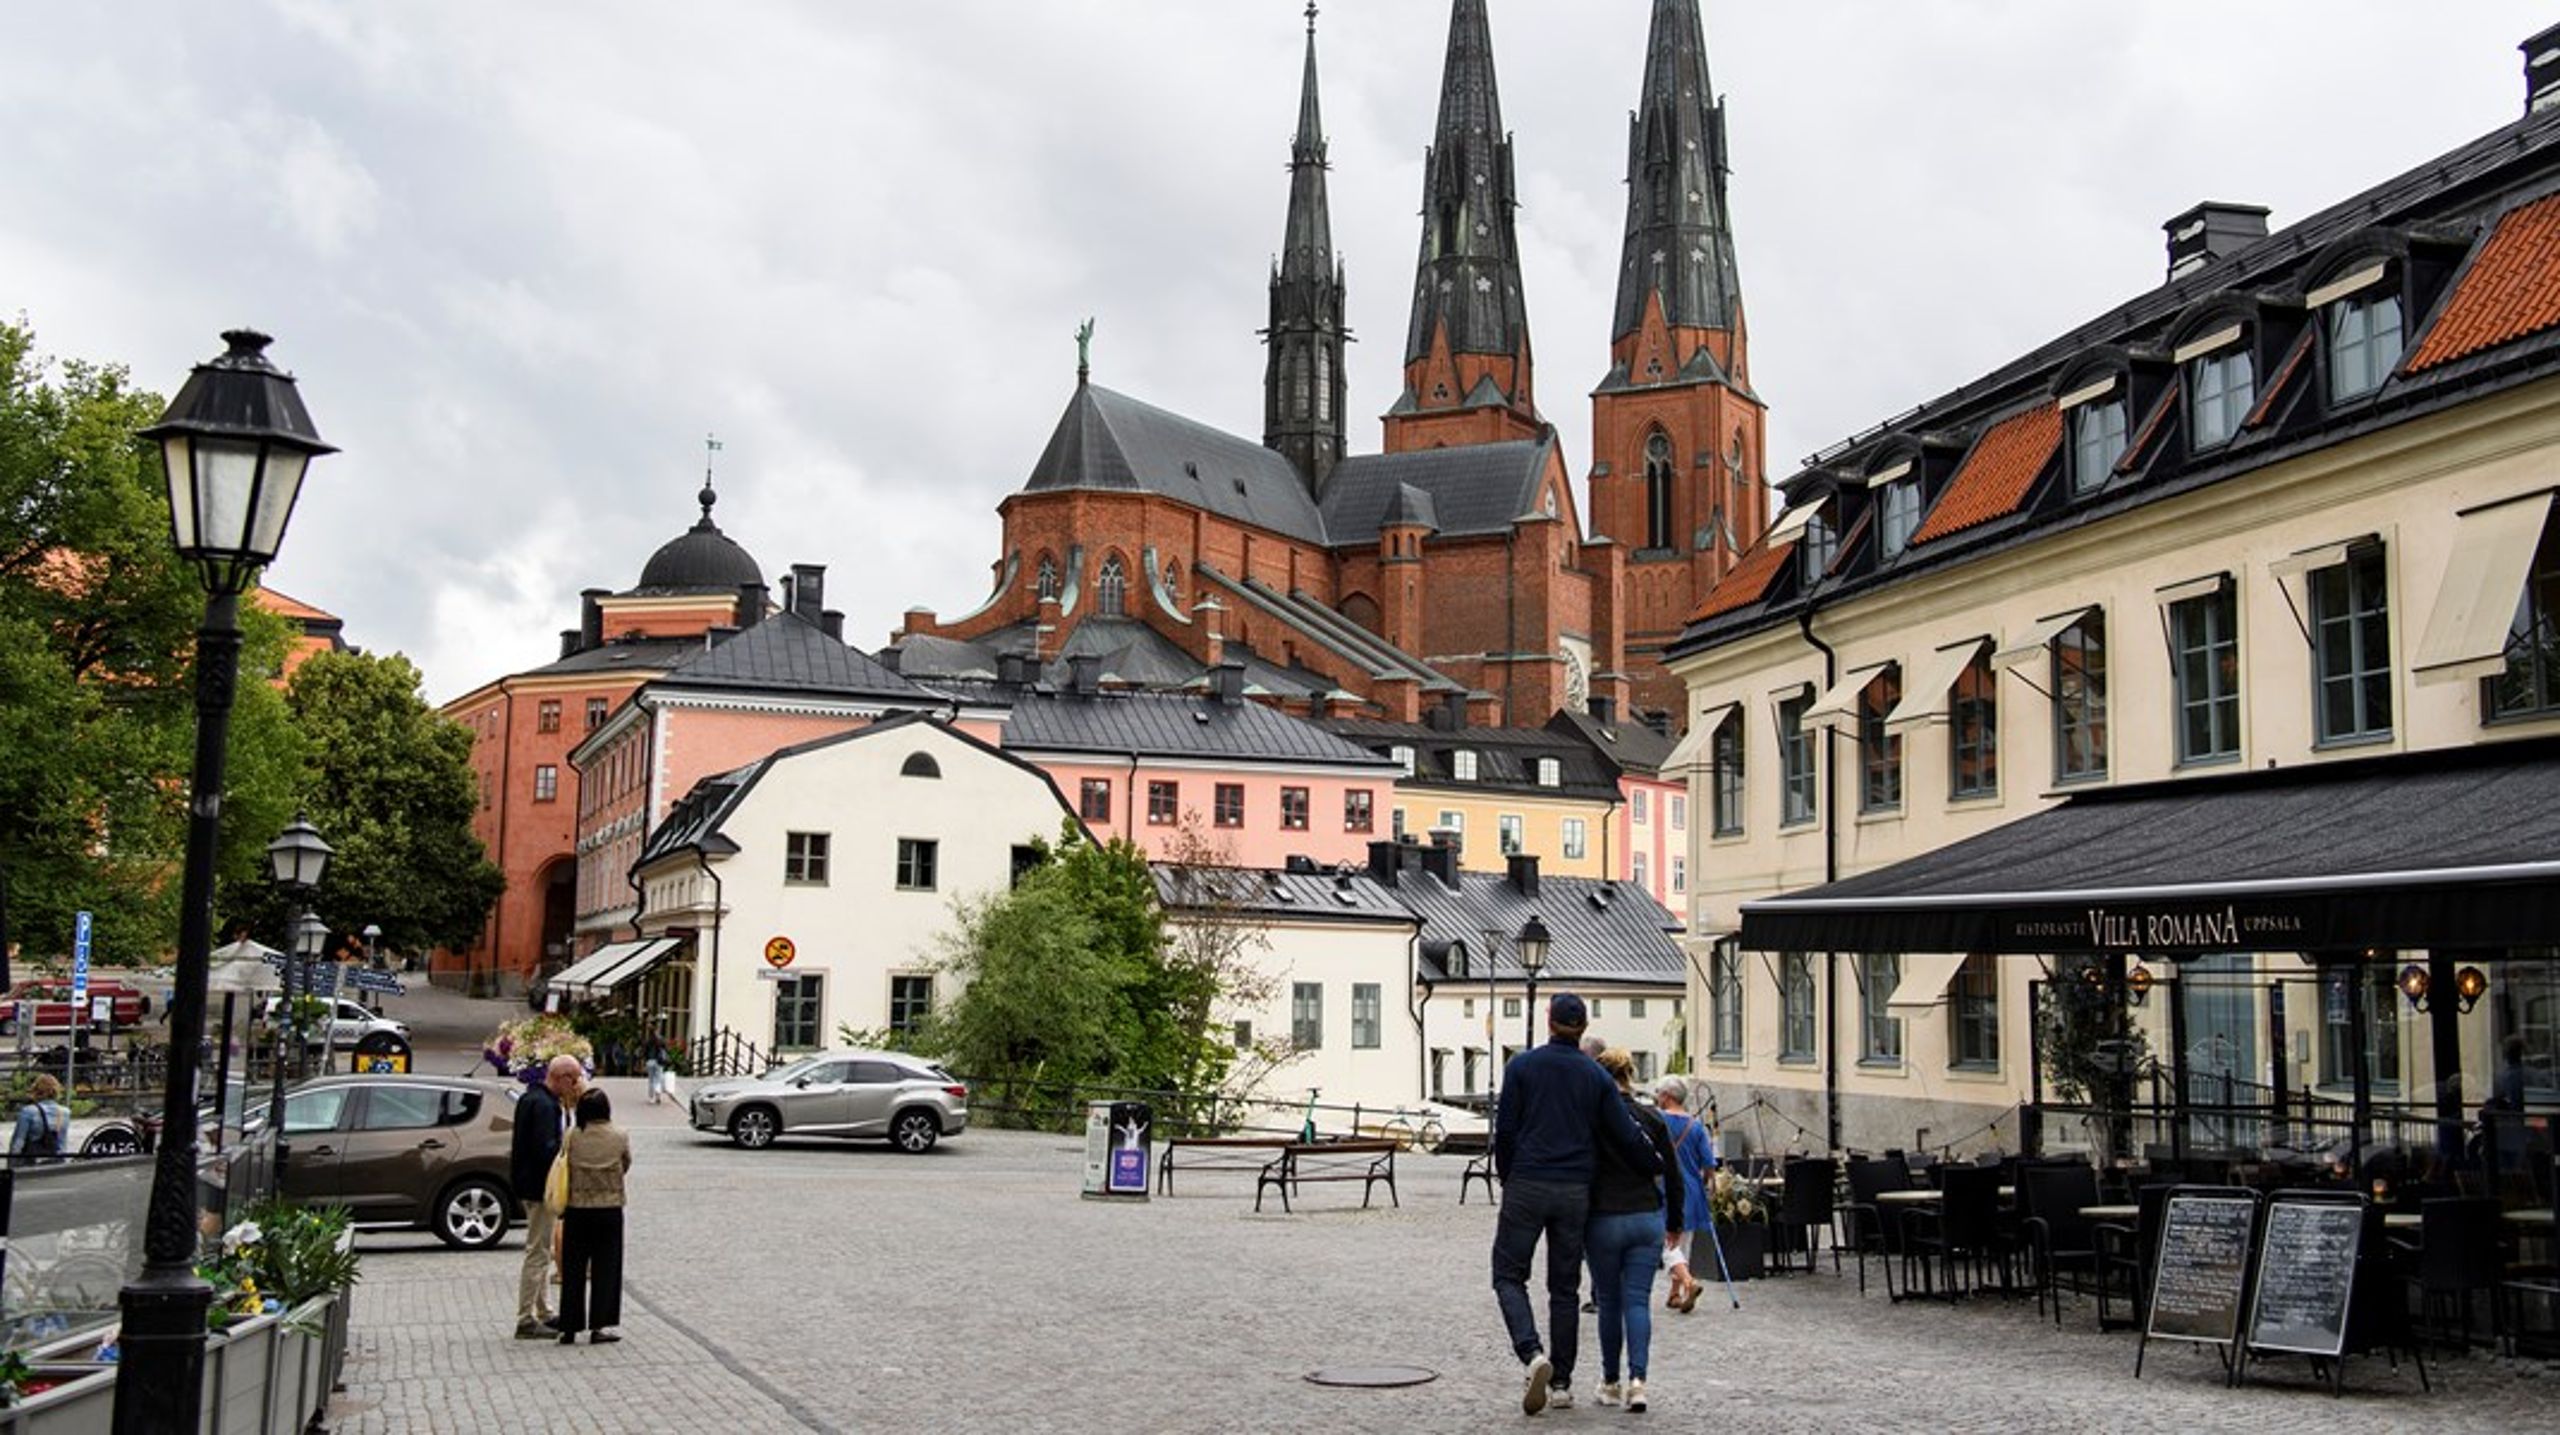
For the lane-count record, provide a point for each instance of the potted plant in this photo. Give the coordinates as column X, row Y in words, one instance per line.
column 1741, row 1215
column 278, row 1278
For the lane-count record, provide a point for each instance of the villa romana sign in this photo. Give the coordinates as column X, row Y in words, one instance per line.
column 2226, row 927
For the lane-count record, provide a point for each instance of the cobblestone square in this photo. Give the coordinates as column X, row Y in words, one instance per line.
column 822, row 1286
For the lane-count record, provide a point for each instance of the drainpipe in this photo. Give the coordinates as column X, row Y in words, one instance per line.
column 1829, row 779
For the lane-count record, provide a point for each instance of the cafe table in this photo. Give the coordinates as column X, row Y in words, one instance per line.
column 2111, row 1213
column 1909, row 1198
column 2403, row 1221
column 2545, row 1219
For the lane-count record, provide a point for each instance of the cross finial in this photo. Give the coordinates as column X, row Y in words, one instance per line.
column 1311, row 16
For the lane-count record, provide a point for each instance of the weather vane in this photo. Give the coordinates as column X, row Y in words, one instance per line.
column 710, row 446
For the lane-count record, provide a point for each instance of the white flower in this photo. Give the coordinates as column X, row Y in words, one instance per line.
column 244, row 1234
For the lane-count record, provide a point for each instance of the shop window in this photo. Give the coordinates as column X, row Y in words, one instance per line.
column 2351, row 648
column 2080, row 700
column 2382, row 1002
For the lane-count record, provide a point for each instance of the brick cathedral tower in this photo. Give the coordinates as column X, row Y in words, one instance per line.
column 1675, row 428
column 1466, row 356
column 1302, row 382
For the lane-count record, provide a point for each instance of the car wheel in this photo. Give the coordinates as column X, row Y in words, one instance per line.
column 915, row 1131
column 472, row 1216
column 754, row 1127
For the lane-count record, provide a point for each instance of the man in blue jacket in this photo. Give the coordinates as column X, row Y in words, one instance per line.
column 1556, row 1102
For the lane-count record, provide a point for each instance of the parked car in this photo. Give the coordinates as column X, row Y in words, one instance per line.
column 882, row 1094
column 427, row 1153
column 52, row 999
column 349, row 1023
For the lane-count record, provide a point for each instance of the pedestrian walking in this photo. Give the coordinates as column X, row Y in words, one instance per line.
column 1636, row 1218
column 541, row 1119
column 43, row 1123
column 1693, row 1148
column 1556, row 1107
column 656, row 1057
column 591, row 1229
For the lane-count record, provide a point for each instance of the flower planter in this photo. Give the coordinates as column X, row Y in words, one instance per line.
column 83, row 1404
column 1746, row 1249
column 239, row 1363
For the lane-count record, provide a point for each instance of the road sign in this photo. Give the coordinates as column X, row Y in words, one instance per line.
column 79, row 959
column 779, row 951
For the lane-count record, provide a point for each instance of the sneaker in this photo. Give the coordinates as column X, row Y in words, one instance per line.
column 1635, row 1396
column 1559, row 1398
column 1534, row 1394
column 1608, row 1393
column 535, row 1330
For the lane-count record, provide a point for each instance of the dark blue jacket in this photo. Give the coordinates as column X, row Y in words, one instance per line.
column 1556, row 1102
column 537, row 1140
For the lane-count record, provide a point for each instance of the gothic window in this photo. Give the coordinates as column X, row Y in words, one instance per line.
column 1048, row 576
column 1111, row 589
column 1324, row 384
column 1657, row 490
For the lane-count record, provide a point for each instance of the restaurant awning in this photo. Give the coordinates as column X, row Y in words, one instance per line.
column 2452, row 848
column 575, row 976
column 626, row 962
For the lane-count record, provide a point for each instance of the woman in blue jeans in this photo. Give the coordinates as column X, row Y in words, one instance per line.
column 1636, row 1220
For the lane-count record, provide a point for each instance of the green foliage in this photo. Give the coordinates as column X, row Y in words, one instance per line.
column 97, row 645
column 2077, row 1022
column 280, row 1253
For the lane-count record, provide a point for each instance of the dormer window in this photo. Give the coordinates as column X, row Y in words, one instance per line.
column 1403, row 758
column 2097, row 441
column 1821, row 545
column 1900, row 503
column 2365, row 332
column 1550, row 772
column 2221, row 386
column 1462, row 765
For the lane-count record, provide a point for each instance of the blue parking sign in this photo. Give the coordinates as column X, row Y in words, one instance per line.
column 79, row 959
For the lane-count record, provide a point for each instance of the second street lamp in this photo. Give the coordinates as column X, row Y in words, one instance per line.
column 235, row 444
column 1532, row 946
column 297, row 859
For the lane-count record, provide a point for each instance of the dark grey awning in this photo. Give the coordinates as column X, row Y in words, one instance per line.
column 2459, row 848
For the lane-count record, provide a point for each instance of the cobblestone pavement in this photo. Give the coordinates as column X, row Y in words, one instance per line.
column 843, row 1287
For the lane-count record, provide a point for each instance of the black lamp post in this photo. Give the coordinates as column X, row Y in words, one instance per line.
column 1532, row 946
column 235, row 442
column 296, row 859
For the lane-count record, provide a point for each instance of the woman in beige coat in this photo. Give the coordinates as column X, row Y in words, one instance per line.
column 591, row 1229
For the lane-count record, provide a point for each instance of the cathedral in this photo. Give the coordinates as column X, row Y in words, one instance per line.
column 1452, row 573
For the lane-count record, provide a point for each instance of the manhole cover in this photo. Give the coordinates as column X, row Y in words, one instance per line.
column 1372, row 1377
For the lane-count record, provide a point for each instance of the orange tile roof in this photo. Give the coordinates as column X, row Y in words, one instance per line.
column 1997, row 474
column 2512, row 289
column 1747, row 581
column 287, row 607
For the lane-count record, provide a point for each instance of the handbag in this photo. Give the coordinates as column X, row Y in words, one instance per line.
column 555, row 1187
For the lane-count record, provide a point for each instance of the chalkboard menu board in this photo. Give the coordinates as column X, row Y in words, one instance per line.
column 2203, row 1267
column 2306, row 1276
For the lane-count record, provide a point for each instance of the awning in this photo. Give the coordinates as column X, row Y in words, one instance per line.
column 2493, row 551
column 1838, row 708
column 630, row 962
column 1791, row 521
column 1924, row 982
column 2031, row 644
column 2452, row 848
column 1924, row 694
column 1694, row 746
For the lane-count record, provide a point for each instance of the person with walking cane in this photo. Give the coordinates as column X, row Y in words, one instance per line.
column 1695, row 1153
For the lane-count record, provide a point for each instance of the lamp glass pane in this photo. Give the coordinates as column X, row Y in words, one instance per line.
column 177, row 459
column 276, row 496
column 226, row 473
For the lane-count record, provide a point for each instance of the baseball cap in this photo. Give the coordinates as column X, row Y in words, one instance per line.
column 1568, row 1010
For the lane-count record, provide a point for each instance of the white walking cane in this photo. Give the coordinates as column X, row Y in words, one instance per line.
column 1713, row 1239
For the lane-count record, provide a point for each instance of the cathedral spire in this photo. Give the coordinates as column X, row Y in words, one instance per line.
column 1468, row 345
column 1679, row 243
column 1302, row 378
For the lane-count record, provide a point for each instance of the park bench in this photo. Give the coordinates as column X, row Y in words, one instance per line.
column 1214, row 1153
column 1365, row 1161
column 1477, row 1147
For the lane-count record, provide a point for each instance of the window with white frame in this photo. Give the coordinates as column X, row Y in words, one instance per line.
column 1679, row 812
column 1550, row 772
column 1640, row 870
column 1576, row 839
column 1901, row 516
column 1643, row 808
column 2364, row 343
column 2097, row 441
column 1306, row 1015
column 1367, row 1008
column 1403, row 758
column 1462, row 764
column 1508, row 828
column 2222, row 387
column 2204, row 636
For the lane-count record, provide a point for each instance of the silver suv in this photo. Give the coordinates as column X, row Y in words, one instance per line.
column 838, row 1093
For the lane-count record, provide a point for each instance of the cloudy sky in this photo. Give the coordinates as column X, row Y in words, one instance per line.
column 525, row 256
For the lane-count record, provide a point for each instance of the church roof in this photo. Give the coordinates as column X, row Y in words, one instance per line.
column 1473, row 489
column 1112, row 442
column 1468, row 277
column 1679, row 234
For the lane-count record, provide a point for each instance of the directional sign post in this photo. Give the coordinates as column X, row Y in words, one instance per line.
column 79, row 1000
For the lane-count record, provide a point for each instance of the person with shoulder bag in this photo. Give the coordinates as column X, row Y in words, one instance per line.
column 1637, row 1216
column 42, row 1122
column 541, row 1117
column 596, row 1156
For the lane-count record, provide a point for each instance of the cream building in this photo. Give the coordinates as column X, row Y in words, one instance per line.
column 2249, row 588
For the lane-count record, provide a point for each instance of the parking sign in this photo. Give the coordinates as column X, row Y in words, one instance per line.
column 79, row 959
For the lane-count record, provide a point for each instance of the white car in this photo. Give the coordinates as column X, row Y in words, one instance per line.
column 349, row 1023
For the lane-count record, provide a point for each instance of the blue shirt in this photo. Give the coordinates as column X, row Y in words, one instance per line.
column 1556, row 1102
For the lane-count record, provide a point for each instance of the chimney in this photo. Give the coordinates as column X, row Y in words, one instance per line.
column 1226, row 683
column 1604, row 709
column 1524, row 873
column 1386, row 859
column 1440, row 859
column 1012, row 669
column 1449, row 715
column 751, row 601
column 1084, row 674
column 809, row 590
column 590, row 618
column 2542, row 71
column 2211, row 230
column 717, row 634
column 1659, row 720
column 891, row 658
column 569, row 642
column 831, row 623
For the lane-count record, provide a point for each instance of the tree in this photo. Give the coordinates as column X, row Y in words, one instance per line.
column 97, row 645
column 388, row 781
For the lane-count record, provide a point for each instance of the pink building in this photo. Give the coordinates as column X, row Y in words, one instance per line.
column 1257, row 786
column 1652, row 818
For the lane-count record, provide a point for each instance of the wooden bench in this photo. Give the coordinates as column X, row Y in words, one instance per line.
column 1215, row 1153
column 1477, row 1147
column 1367, row 1162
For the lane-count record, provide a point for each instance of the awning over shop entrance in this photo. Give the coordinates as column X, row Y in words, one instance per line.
column 2458, row 848
column 615, row 966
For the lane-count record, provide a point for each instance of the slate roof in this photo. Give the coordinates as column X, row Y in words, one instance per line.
column 787, row 652
column 1473, row 489
column 1601, row 931
column 1632, row 746
column 1352, row 896
column 1173, row 725
column 1109, row 441
column 647, row 655
column 1337, row 634
column 1506, row 757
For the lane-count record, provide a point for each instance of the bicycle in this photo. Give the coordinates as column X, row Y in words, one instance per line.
column 1426, row 1138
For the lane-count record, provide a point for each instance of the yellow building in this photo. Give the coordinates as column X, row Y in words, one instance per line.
column 1503, row 791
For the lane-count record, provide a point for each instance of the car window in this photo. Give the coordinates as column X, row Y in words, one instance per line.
column 875, row 1073
column 349, row 1011
column 400, row 1108
column 797, row 1069
column 315, row 1110
column 825, row 1073
column 459, row 1107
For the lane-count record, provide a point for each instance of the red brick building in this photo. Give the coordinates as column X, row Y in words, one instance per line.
column 1455, row 564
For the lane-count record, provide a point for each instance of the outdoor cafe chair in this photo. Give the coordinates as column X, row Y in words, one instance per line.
column 1864, row 1227
column 1964, row 1226
column 1804, row 1208
column 2456, row 1256
column 2125, row 1252
column 2062, row 1241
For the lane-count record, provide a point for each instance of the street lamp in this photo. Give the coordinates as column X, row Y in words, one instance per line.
column 1532, row 947
column 235, row 444
column 297, row 859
